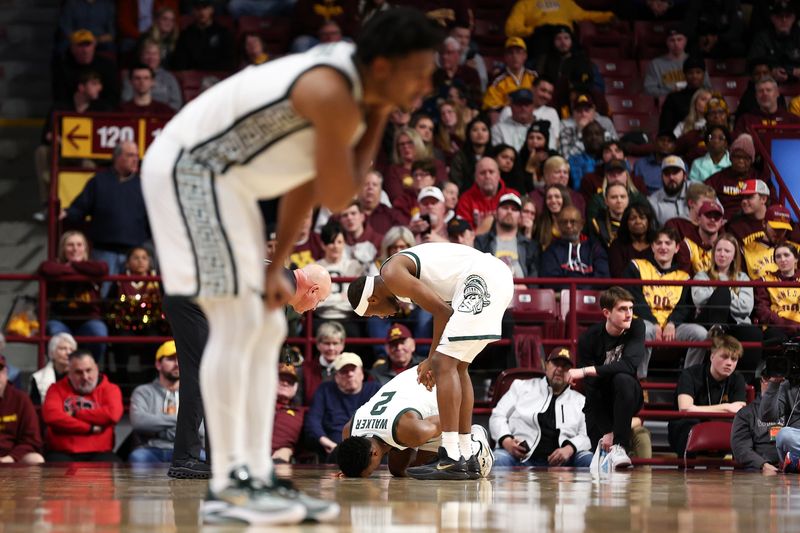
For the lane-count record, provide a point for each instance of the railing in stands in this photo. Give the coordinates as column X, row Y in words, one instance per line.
column 762, row 139
column 307, row 341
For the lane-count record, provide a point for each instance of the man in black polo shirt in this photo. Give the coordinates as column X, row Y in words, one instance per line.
column 711, row 386
column 609, row 354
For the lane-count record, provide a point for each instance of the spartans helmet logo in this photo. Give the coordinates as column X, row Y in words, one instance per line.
column 476, row 295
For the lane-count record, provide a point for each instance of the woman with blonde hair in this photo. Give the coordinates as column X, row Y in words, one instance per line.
column 75, row 307
column 555, row 171
column 164, row 32
column 696, row 118
column 727, row 308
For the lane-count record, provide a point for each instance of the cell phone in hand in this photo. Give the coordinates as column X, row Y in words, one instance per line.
column 525, row 446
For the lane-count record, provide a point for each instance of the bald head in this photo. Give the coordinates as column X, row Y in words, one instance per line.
column 313, row 287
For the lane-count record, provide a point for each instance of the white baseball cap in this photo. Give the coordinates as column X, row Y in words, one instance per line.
column 430, row 192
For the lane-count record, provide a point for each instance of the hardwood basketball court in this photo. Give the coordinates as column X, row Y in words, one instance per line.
column 95, row 497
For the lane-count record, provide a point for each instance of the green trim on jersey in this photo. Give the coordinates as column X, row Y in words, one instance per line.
column 474, row 338
column 397, row 420
column 413, row 256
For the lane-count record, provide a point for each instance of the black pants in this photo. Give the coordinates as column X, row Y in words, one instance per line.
column 717, row 311
column 678, row 434
column 90, row 457
column 190, row 330
column 611, row 404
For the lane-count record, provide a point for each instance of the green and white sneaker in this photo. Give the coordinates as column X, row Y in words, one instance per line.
column 240, row 503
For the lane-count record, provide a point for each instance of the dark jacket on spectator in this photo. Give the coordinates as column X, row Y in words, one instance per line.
column 209, row 48
column 383, row 371
column 331, row 409
column 591, row 262
column 19, row 430
column 119, row 218
column 384, row 218
column 527, row 250
column 72, row 433
column 750, row 439
column 67, row 72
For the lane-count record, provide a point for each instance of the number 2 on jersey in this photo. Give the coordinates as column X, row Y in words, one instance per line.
column 380, row 407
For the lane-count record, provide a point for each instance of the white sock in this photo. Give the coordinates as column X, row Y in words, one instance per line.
column 450, row 444
column 465, row 444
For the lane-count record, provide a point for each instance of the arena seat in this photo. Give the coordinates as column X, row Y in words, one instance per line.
column 507, row 377
column 622, row 85
column 625, row 123
column 613, row 36
column 649, row 38
column 528, row 347
column 490, row 36
column 709, row 437
column 733, row 66
column 632, row 104
column 536, row 305
column 616, row 67
column 586, row 307
column 733, row 85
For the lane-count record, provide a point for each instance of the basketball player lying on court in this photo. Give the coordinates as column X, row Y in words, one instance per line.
column 467, row 292
column 401, row 419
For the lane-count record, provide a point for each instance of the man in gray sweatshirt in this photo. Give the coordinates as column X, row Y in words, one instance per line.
column 753, row 441
column 154, row 410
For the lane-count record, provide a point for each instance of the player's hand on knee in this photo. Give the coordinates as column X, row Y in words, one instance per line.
column 425, row 374
column 277, row 291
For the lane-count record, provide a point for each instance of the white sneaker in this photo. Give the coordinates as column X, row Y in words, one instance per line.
column 597, row 459
column 482, row 450
column 616, row 459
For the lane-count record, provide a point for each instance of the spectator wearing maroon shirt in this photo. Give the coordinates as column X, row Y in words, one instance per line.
column 728, row 183
column 695, row 255
column 363, row 242
column 75, row 306
column 20, row 436
column 423, row 172
column 288, row 418
column 308, row 247
column 696, row 195
column 748, row 225
column 478, row 204
column 769, row 112
column 81, row 411
column 378, row 215
column 142, row 79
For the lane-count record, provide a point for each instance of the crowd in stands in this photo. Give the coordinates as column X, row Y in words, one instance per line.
column 517, row 152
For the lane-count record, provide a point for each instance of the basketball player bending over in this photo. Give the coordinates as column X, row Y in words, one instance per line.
column 304, row 128
column 401, row 419
column 467, row 292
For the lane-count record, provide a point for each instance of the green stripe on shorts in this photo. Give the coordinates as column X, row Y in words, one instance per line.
column 474, row 338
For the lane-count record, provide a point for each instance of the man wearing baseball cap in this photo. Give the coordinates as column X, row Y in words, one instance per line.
column 749, row 223
column 401, row 355
column 583, row 113
column 431, row 224
column 505, row 242
column 335, row 402
column 78, row 59
column 670, row 201
column 514, row 77
column 513, row 129
column 758, row 253
column 154, row 409
column 540, row 421
column 288, row 424
column 695, row 255
column 460, row 232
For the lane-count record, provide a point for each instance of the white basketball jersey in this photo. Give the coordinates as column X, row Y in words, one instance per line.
column 380, row 415
column 246, row 123
column 442, row 266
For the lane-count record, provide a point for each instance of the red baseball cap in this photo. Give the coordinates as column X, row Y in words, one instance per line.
column 778, row 217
